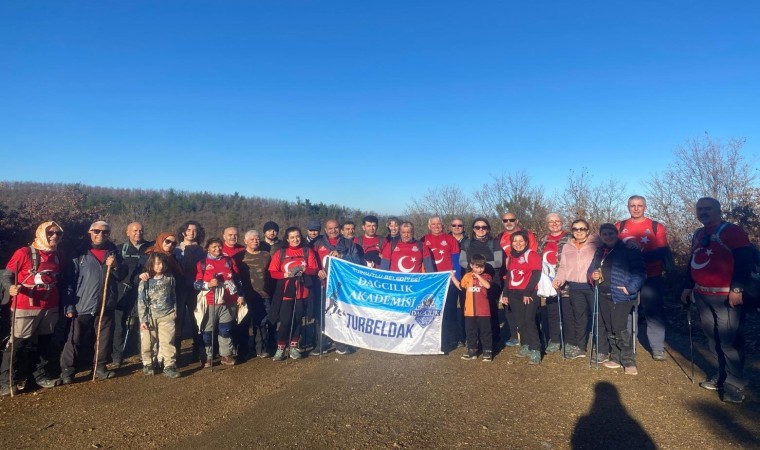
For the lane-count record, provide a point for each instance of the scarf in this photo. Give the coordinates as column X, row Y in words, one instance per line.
column 41, row 240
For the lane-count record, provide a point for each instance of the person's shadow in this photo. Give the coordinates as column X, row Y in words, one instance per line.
column 608, row 424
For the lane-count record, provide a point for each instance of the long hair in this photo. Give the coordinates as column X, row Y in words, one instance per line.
column 151, row 262
column 200, row 234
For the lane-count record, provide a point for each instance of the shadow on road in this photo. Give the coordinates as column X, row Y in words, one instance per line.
column 608, row 425
column 726, row 420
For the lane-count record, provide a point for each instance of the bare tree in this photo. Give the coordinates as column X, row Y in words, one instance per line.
column 445, row 201
column 514, row 193
column 597, row 203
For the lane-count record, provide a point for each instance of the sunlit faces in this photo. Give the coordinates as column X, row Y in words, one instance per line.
column 554, row 223
column 168, row 244
column 407, row 232
column 708, row 211
column 637, row 207
column 252, row 242
column 331, row 229
column 393, row 228
column 230, row 236
column 609, row 236
column 510, row 221
column 348, row 230
column 99, row 235
column 215, row 249
column 158, row 266
column 477, row 269
column 313, row 234
column 135, row 232
column 271, row 235
column 457, row 228
column 370, row 229
column 580, row 231
column 191, row 233
column 518, row 243
column 294, row 238
column 480, row 229
column 435, row 225
column 54, row 235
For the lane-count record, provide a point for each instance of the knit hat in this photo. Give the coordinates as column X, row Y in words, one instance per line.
column 313, row 225
column 271, row 226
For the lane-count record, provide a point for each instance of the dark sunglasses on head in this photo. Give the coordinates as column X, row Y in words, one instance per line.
column 105, row 232
column 456, row 225
column 579, row 229
column 478, row 227
column 508, row 220
column 54, row 233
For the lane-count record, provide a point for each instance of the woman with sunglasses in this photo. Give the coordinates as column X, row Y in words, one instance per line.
column 572, row 273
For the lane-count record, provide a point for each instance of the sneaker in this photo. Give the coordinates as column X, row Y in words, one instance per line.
column 534, row 357
column 567, row 354
column 6, row 390
column 342, row 351
column 631, row 370
column 611, row 364
column 171, row 372
column 577, row 353
column 470, row 354
column 732, row 394
column 658, row 355
column 320, row 351
column 295, row 353
column 207, row 364
column 104, row 374
column 148, row 370
column 265, row 354
column 67, row 379
column 712, row 384
column 512, row 343
column 553, row 347
column 524, row 351
column 600, row 358
column 279, row 355
column 48, row 382
column 228, row 360
column 487, row 356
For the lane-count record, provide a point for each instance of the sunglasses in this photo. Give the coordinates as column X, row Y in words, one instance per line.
column 105, row 232
column 508, row 220
column 579, row 229
column 170, row 241
column 478, row 227
column 456, row 225
column 54, row 233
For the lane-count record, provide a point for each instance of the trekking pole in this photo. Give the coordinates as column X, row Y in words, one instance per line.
column 635, row 324
column 323, row 292
column 595, row 329
column 293, row 319
column 212, row 319
column 100, row 320
column 11, row 384
column 691, row 342
column 561, row 331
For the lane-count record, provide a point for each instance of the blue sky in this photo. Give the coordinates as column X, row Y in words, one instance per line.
column 367, row 104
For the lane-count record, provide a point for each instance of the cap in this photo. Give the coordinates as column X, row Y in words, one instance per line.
column 271, row 226
column 313, row 225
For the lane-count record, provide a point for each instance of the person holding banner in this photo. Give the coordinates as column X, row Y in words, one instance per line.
column 523, row 273
column 407, row 255
column 444, row 251
column 292, row 267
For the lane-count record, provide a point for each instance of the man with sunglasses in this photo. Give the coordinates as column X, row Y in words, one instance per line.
column 719, row 270
column 512, row 225
column 35, row 291
column 651, row 238
column 456, row 229
column 84, row 296
column 131, row 251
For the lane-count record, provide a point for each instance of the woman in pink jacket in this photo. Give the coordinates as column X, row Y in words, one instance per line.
column 577, row 255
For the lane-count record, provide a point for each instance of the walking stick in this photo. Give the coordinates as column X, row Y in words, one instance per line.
column 635, row 324
column 11, row 384
column 323, row 291
column 100, row 320
column 595, row 329
column 561, row 331
column 691, row 342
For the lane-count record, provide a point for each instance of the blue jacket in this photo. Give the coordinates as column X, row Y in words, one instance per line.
column 626, row 268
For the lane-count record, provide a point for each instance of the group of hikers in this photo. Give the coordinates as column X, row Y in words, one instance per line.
column 574, row 291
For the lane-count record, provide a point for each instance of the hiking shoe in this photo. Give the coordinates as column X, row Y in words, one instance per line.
column 6, row 390
column 567, row 354
column 319, row 351
column 658, row 355
column 600, row 358
column 104, row 374
column 265, row 354
column 487, row 356
column 576, row 353
column 279, row 355
column 295, row 353
column 48, row 382
column 227, row 360
column 611, row 364
column 553, row 347
column 470, row 354
column 712, row 384
column 534, row 357
column 733, row 394
column 149, row 370
column 631, row 370
column 512, row 343
column 171, row 372
column 524, row 351
column 67, row 379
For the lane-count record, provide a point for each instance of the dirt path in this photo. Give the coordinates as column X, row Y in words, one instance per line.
column 376, row 400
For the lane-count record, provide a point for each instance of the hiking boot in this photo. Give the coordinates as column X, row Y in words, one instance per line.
column 171, row 372
column 600, row 358
column 553, row 347
column 658, row 355
column 534, row 357
column 295, row 353
column 576, row 353
column 487, row 356
column 48, row 383
column 148, row 370
column 733, row 394
column 512, row 343
column 611, row 364
column 631, row 370
column 6, row 390
column 712, row 384
column 470, row 354
column 227, row 360
column 524, row 351
column 279, row 355
column 104, row 374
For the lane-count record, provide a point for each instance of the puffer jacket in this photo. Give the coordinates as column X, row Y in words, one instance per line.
column 626, row 268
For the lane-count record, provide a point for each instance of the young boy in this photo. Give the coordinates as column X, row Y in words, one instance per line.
column 477, row 311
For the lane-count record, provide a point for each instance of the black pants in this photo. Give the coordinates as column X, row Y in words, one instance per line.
column 550, row 320
column 450, row 323
column 582, row 306
column 81, row 342
column 614, row 316
column 723, row 326
column 526, row 317
column 289, row 326
column 479, row 328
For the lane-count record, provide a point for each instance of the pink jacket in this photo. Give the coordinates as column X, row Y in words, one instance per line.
column 574, row 263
